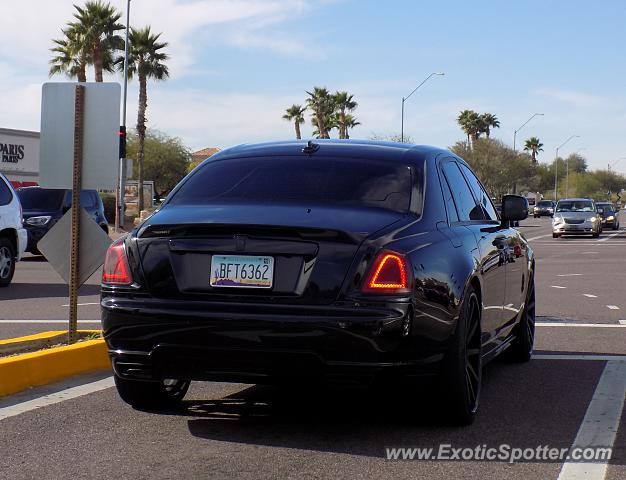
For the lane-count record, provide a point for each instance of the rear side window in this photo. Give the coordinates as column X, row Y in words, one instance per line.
column 480, row 195
column 463, row 198
column 5, row 193
column 449, row 201
column 321, row 180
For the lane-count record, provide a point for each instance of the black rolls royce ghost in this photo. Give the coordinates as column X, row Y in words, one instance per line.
column 329, row 259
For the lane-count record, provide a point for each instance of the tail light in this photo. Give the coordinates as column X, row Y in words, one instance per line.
column 116, row 270
column 389, row 274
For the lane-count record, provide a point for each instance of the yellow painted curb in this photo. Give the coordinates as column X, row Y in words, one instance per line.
column 38, row 368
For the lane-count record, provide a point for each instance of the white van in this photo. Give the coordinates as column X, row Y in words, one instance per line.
column 13, row 236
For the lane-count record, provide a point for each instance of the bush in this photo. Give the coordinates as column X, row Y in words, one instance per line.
column 108, row 200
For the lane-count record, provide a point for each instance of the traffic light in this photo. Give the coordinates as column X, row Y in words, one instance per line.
column 122, row 134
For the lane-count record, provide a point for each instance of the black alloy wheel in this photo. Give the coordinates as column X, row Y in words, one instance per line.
column 462, row 369
column 521, row 348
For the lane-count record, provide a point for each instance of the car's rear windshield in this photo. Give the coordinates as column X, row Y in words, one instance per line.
column 544, row 204
column 34, row 198
column 321, row 180
column 575, row 206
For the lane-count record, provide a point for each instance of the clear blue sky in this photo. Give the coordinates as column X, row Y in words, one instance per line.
column 236, row 65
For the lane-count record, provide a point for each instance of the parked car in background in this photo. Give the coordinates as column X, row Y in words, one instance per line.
column 13, row 236
column 576, row 216
column 43, row 207
column 338, row 260
column 610, row 214
column 545, row 208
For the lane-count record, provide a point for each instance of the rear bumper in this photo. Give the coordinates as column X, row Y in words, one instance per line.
column 267, row 344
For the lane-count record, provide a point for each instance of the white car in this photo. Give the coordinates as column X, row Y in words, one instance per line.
column 13, row 236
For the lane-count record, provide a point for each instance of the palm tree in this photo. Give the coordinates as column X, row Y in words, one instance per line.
column 322, row 104
column 95, row 30
column 487, row 122
column 470, row 123
column 70, row 59
column 349, row 122
column 533, row 145
column 294, row 113
column 145, row 60
column 343, row 103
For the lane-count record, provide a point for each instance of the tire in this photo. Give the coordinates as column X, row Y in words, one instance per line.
column 8, row 257
column 462, row 367
column 521, row 348
column 152, row 395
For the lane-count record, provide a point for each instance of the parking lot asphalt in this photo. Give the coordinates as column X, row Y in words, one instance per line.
column 570, row 392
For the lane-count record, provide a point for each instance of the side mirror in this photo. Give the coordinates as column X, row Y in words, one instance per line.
column 514, row 208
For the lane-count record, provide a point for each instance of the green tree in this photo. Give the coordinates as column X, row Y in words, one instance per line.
column 166, row 159
column 70, row 58
column 501, row 169
column 470, row 123
column 486, row 122
column 344, row 103
column 94, row 30
column 295, row 114
column 322, row 105
column 146, row 60
column 534, row 146
column 349, row 121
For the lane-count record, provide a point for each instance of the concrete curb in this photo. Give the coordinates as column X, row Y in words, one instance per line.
column 20, row 372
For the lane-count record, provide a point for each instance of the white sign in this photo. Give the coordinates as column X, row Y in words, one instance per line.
column 100, row 138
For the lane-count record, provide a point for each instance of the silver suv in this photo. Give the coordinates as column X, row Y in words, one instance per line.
column 576, row 216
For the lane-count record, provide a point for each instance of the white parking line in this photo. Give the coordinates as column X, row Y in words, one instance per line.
column 612, row 307
column 590, row 295
column 81, row 304
column 58, row 397
column 569, row 275
column 557, row 286
column 602, row 419
column 604, row 239
column 583, row 357
column 26, row 322
column 580, row 325
column 538, row 237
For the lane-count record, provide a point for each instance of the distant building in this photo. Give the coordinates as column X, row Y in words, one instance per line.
column 19, row 156
column 197, row 157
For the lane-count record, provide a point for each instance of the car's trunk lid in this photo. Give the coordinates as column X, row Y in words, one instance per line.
column 312, row 248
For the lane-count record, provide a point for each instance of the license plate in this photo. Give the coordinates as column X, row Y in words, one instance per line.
column 242, row 271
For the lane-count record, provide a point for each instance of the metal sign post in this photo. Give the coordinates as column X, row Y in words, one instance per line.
column 79, row 103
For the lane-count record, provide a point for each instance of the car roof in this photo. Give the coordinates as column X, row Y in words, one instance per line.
column 576, row 199
column 344, row 148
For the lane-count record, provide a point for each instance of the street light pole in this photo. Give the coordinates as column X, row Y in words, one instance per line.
column 515, row 132
column 404, row 99
column 119, row 220
column 556, row 163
